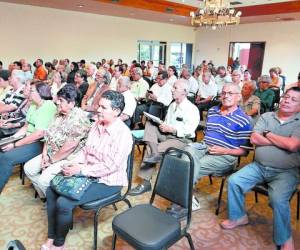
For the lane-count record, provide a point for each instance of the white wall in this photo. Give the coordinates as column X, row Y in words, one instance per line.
column 30, row 32
column 282, row 44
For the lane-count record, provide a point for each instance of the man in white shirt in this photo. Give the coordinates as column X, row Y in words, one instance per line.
column 177, row 130
column 123, row 86
column 236, row 77
column 160, row 92
column 206, row 92
column 222, row 78
column 193, row 84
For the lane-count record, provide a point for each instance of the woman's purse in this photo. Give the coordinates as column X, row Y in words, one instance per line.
column 72, row 187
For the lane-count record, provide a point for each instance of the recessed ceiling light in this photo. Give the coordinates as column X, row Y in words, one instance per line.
column 80, row 5
column 278, row 18
column 171, row 19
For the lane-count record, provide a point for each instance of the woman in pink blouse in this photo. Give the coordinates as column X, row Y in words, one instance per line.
column 104, row 156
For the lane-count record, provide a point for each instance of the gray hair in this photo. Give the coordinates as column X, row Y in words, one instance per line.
column 237, row 87
column 116, row 99
column 138, row 71
column 184, row 83
column 125, row 80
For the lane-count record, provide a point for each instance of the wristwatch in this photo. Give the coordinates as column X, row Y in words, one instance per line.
column 266, row 132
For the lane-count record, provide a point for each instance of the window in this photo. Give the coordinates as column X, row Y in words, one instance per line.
column 181, row 53
column 152, row 50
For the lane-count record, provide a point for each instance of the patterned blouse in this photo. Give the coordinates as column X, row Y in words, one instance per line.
column 74, row 127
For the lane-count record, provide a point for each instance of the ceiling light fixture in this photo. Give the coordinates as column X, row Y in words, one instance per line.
column 80, row 6
column 215, row 14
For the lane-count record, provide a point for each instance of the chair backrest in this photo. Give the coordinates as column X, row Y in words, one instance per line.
column 129, row 170
column 175, row 178
column 157, row 109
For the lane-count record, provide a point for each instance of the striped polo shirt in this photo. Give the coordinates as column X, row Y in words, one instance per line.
column 228, row 131
column 15, row 97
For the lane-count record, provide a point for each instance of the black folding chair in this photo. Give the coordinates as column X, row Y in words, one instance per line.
column 146, row 226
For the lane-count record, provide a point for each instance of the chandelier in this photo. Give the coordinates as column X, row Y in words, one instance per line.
column 214, row 14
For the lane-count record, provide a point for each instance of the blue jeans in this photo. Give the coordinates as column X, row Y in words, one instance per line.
column 60, row 209
column 16, row 156
column 281, row 185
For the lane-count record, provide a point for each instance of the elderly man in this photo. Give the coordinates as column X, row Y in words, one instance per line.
column 91, row 73
column 139, row 86
column 206, row 92
column 222, row 78
column 160, row 92
column 249, row 102
column 227, row 129
column 265, row 94
column 177, row 130
column 193, row 84
column 236, row 77
column 123, row 87
column 277, row 139
column 96, row 89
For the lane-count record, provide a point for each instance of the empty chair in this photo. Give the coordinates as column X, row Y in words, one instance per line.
column 146, row 226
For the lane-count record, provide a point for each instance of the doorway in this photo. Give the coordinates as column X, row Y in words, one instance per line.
column 249, row 55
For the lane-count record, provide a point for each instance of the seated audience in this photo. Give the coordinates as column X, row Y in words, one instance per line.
column 250, row 103
column 277, row 139
column 104, row 157
column 26, row 67
column 177, row 130
column 237, row 78
column 91, row 70
column 56, row 84
column 123, row 87
column 40, row 114
column 139, row 86
column 276, row 81
column 265, row 94
column 96, row 89
column 63, row 139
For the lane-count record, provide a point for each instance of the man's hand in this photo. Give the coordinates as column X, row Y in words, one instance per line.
column 166, row 128
column 71, row 169
column 217, row 150
column 8, row 147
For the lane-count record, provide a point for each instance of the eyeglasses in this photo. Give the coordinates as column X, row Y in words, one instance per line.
column 228, row 93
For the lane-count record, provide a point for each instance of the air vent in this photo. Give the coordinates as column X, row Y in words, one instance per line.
column 235, row 3
column 169, row 10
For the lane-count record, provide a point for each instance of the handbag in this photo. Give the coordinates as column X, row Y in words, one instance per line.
column 72, row 187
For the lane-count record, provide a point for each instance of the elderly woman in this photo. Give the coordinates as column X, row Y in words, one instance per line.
column 64, row 138
column 104, row 157
column 249, row 102
column 41, row 112
column 265, row 94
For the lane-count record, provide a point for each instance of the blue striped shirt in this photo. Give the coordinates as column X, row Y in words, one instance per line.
column 228, row 131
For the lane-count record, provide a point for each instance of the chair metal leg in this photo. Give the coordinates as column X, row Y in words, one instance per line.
column 220, row 195
column 115, row 207
column 298, row 204
column 23, row 176
column 127, row 202
column 113, row 243
column 21, row 171
column 96, row 229
column 256, row 196
column 188, row 236
column 35, row 194
column 210, row 180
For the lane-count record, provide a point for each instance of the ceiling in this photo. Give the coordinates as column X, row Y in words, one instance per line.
column 173, row 11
